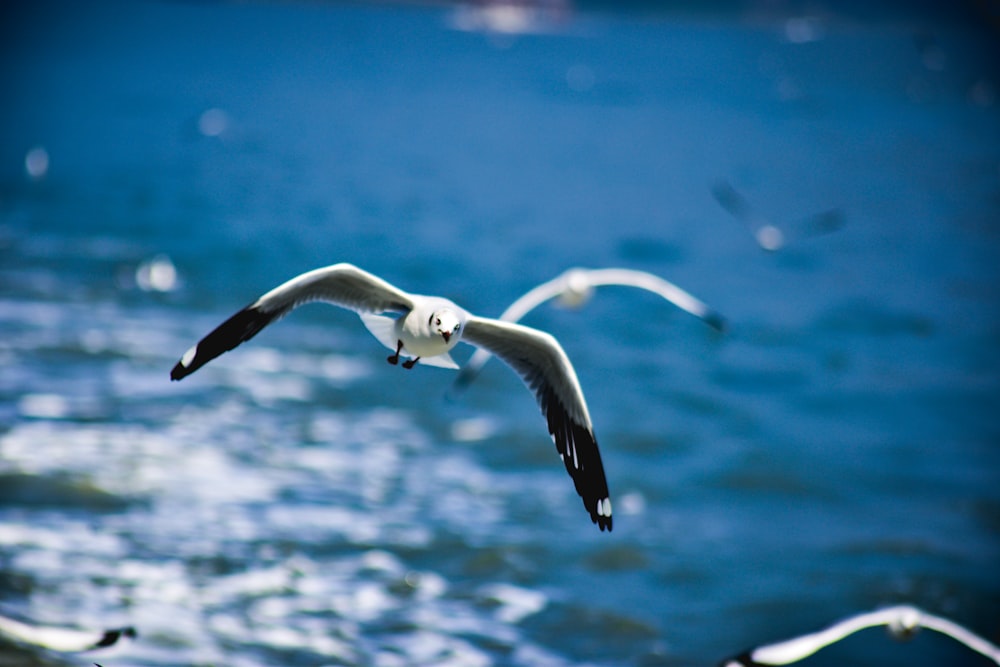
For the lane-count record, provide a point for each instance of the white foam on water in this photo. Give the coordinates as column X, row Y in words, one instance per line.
column 241, row 526
column 44, row 406
column 474, row 429
column 515, row 603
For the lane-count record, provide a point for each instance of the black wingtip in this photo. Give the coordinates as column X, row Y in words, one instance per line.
column 600, row 513
column 241, row 327
column 578, row 449
column 111, row 637
column 178, row 372
column 717, row 322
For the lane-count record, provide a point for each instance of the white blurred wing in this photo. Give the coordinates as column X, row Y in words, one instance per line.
column 521, row 307
column 793, row 650
column 343, row 285
column 903, row 621
column 543, row 365
column 59, row 638
column 595, row 277
column 533, row 298
column 963, row 635
column 664, row 288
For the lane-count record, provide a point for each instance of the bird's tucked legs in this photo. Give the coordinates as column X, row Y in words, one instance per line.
column 394, row 358
column 408, row 364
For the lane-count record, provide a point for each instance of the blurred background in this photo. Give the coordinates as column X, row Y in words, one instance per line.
column 826, row 174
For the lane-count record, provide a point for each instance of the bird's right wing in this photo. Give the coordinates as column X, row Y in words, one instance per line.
column 543, row 365
column 342, row 285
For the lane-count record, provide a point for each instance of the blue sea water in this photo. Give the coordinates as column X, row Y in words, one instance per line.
column 300, row 502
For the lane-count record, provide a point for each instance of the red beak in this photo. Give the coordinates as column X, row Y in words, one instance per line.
column 447, row 335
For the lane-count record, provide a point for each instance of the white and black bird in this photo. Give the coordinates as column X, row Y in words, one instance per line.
column 573, row 289
column 902, row 621
column 425, row 329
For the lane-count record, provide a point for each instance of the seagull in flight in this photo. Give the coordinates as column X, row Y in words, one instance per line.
column 424, row 329
column 903, row 621
column 768, row 236
column 575, row 287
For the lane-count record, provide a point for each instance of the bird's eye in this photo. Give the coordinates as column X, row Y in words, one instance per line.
column 438, row 321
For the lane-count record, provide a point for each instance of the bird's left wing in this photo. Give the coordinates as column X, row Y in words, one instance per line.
column 543, row 365
column 342, row 285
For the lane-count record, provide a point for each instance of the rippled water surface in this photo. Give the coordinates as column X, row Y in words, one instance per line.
column 300, row 502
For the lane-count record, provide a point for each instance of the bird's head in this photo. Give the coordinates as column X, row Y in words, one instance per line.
column 446, row 323
column 905, row 623
column 577, row 288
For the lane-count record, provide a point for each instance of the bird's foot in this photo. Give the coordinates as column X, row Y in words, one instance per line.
column 394, row 358
column 409, row 363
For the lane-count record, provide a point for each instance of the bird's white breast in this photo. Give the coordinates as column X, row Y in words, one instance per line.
column 419, row 336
